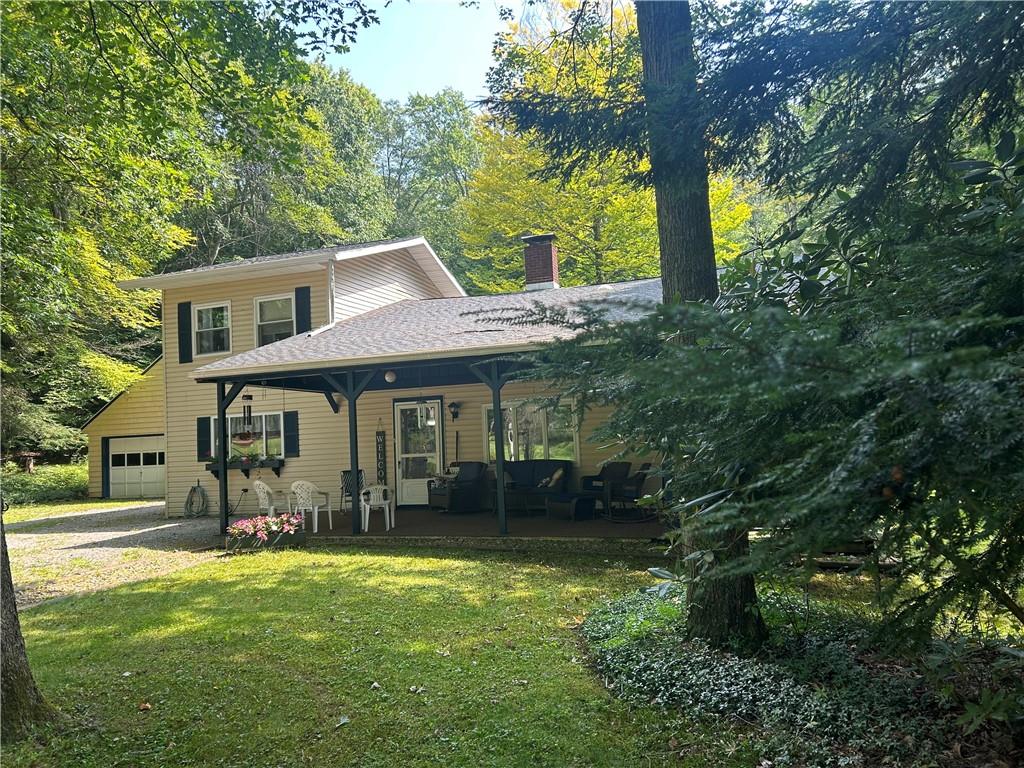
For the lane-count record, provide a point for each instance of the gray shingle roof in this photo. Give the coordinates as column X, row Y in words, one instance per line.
column 435, row 328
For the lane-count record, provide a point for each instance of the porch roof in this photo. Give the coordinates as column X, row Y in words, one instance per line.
column 429, row 329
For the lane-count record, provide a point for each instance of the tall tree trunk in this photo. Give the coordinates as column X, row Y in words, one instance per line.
column 679, row 166
column 722, row 609
column 22, row 704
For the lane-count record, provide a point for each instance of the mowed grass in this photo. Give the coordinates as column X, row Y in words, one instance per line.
column 347, row 658
column 22, row 512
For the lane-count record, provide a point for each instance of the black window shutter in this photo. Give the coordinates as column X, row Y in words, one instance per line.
column 303, row 313
column 203, row 448
column 291, row 433
column 184, row 331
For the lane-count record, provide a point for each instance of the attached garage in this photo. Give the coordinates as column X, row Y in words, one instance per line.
column 136, row 467
column 127, row 444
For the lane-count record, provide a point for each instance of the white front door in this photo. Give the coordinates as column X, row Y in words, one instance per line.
column 136, row 467
column 418, row 450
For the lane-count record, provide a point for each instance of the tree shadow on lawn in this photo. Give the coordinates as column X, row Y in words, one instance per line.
column 135, row 528
column 257, row 660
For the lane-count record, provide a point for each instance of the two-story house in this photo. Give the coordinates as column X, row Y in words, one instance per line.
column 369, row 352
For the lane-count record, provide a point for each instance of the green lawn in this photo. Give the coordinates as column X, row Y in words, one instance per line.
column 22, row 512
column 272, row 660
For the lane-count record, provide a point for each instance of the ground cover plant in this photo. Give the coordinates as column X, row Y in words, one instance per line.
column 347, row 657
column 825, row 691
column 53, row 482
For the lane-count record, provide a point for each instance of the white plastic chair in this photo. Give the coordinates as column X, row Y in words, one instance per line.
column 306, row 500
column 376, row 497
column 265, row 498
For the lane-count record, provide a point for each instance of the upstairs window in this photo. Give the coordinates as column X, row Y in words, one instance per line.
column 275, row 318
column 213, row 328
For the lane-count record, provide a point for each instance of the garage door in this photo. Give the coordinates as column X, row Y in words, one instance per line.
column 136, row 469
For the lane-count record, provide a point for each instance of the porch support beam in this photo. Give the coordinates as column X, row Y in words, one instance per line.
column 351, row 388
column 332, row 402
column 490, row 373
column 224, row 399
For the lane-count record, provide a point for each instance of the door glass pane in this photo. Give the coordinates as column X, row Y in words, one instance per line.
column 418, row 467
column 561, row 433
column 117, row 460
column 133, row 459
column 272, row 431
column 417, row 436
column 149, row 459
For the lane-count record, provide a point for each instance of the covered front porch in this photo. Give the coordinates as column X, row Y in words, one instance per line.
column 375, row 413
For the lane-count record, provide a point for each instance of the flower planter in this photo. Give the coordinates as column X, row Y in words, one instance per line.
column 213, row 467
column 239, row 544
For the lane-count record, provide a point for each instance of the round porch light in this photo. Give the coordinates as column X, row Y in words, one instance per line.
column 390, row 377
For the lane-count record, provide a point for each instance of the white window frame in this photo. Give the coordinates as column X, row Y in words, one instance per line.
column 510, row 405
column 256, row 315
column 226, row 303
column 264, row 414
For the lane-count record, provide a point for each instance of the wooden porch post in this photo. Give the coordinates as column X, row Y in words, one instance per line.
column 494, row 380
column 224, row 399
column 222, row 457
column 353, row 453
column 351, row 390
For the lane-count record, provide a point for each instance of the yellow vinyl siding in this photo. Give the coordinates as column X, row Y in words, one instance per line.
column 187, row 400
column 362, row 285
column 139, row 411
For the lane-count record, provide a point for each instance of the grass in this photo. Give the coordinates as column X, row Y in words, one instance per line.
column 349, row 658
column 36, row 511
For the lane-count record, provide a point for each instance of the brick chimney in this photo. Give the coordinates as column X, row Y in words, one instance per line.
column 541, row 259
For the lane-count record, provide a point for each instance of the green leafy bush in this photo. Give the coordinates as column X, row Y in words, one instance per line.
column 55, row 482
column 818, row 695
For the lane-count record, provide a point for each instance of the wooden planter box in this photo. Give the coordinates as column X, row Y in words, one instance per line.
column 246, row 467
column 276, row 541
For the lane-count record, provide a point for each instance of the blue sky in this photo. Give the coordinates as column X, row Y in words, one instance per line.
column 423, row 46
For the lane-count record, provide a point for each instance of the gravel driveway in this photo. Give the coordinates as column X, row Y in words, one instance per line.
column 88, row 551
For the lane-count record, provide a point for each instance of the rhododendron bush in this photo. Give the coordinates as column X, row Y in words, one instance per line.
column 264, row 526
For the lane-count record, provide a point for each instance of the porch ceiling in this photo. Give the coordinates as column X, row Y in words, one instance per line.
column 413, row 374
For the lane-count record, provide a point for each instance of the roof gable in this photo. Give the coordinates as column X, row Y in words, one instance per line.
column 304, row 261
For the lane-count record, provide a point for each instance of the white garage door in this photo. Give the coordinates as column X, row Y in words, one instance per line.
column 137, row 467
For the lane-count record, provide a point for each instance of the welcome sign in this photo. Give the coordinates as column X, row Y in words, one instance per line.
column 382, row 459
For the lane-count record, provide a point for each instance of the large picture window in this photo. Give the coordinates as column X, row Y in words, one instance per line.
column 275, row 319
column 532, row 432
column 213, row 329
column 263, row 440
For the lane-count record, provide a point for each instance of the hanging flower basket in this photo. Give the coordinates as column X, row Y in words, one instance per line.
column 265, row 532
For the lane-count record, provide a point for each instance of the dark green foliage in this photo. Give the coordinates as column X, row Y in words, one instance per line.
column 815, row 697
column 56, row 482
column 853, row 384
column 815, row 96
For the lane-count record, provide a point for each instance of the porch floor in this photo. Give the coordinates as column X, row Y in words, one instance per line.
column 419, row 522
